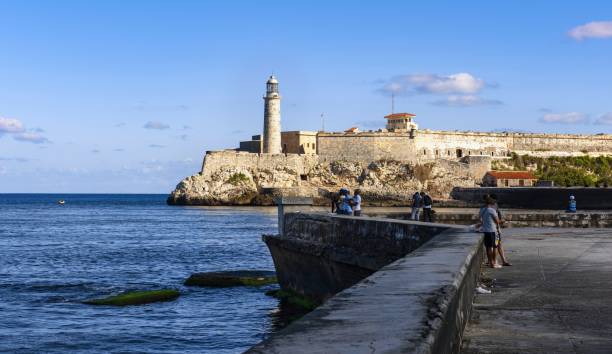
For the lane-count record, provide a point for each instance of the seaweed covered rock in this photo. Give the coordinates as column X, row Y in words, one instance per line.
column 136, row 298
column 232, row 278
column 294, row 299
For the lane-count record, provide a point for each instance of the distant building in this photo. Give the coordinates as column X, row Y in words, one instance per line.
column 401, row 122
column 292, row 142
column 299, row 142
column 509, row 179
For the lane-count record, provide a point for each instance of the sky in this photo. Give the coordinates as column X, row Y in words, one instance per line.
column 126, row 96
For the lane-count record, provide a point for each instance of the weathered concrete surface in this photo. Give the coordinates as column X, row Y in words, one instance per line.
column 417, row 304
column 319, row 254
column 557, row 298
column 554, row 198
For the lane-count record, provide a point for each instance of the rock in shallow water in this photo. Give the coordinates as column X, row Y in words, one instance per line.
column 232, row 278
column 136, row 298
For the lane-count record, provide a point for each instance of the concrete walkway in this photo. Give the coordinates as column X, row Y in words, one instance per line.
column 557, row 298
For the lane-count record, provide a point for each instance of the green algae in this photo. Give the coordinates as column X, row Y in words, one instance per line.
column 231, row 278
column 294, row 298
column 136, row 298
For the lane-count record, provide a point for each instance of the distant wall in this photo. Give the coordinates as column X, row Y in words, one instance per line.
column 545, row 145
column 366, row 146
column 555, row 198
column 448, row 144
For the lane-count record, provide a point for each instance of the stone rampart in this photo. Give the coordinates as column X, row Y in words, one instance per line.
column 366, row 146
column 430, row 144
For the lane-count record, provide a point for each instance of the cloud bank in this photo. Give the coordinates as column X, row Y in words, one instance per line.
column 16, row 128
column 9, row 125
column 596, row 29
column 565, row 118
column 156, row 125
column 604, row 119
column 462, row 89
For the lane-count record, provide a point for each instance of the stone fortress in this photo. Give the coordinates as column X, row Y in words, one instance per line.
column 389, row 163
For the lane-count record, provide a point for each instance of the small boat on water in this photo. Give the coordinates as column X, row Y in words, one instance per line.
column 61, row 202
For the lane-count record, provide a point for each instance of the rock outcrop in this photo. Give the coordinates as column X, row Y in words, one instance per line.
column 231, row 178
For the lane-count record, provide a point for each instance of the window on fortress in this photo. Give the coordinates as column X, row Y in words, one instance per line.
column 448, row 152
column 424, row 152
column 313, row 145
column 492, row 153
column 437, row 152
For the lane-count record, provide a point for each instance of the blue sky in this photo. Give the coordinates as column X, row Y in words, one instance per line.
column 126, row 96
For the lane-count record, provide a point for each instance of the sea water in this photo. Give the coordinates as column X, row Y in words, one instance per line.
column 52, row 257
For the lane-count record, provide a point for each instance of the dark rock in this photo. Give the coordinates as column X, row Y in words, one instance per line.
column 136, row 298
column 232, row 278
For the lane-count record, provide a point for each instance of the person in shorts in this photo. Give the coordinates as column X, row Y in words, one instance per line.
column 490, row 222
column 499, row 249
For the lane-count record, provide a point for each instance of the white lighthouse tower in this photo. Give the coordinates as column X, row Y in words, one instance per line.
column 272, row 125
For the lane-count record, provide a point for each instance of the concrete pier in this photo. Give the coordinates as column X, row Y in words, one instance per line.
column 556, row 298
column 417, row 304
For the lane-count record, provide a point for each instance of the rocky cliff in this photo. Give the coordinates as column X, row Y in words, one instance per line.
column 231, row 178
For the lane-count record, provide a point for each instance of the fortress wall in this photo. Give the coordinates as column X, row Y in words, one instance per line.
column 445, row 144
column 366, row 146
column 220, row 160
column 546, row 145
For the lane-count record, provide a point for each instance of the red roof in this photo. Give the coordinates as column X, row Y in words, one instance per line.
column 512, row 174
column 352, row 130
column 400, row 115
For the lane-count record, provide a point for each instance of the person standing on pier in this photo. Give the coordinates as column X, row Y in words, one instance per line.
column 416, row 204
column 498, row 240
column 490, row 223
column 357, row 203
column 427, row 207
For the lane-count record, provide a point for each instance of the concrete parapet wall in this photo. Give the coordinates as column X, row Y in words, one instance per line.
column 417, row 304
column 553, row 198
column 339, row 251
column 519, row 218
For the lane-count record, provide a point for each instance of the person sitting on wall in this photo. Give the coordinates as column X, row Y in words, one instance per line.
column 571, row 207
column 344, row 203
column 416, row 205
column 356, row 202
column 427, row 207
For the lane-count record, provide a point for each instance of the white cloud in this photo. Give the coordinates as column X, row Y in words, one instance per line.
column 157, row 146
column 31, row 137
column 565, row 118
column 604, row 119
column 466, row 101
column 156, row 125
column 460, row 83
column 596, row 29
column 9, row 125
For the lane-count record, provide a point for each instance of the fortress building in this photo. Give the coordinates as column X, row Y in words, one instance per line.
column 272, row 124
column 402, row 140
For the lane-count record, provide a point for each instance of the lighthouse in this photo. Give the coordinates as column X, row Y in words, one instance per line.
column 272, row 125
